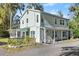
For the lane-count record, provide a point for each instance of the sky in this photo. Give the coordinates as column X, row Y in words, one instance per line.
column 53, row 8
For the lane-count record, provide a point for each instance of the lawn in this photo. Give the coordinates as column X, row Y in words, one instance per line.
column 4, row 40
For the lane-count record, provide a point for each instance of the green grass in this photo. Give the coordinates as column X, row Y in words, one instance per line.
column 4, row 40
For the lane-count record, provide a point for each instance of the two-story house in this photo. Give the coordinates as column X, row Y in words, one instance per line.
column 42, row 26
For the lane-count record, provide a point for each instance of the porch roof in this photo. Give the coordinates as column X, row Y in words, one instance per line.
column 57, row 28
column 20, row 29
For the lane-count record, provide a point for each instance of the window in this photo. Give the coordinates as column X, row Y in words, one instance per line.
column 32, row 34
column 18, row 22
column 18, row 33
column 52, row 34
column 22, row 22
column 27, row 32
column 64, row 34
column 27, row 12
column 61, row 22
column 67, row 23
column 42, row 20
column 55, row 21
column 27, row 20
column 37, row 18
column 56, row 34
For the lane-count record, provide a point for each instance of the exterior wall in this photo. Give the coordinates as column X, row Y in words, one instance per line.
column 37, row 33
column 32, row 19
column 32, row 23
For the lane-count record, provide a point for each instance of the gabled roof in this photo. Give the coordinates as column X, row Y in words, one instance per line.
column 41, row 12
column 54, row 15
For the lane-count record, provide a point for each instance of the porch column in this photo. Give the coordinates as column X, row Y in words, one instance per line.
column 54, row 37
column 44, row 35
column 61, row 35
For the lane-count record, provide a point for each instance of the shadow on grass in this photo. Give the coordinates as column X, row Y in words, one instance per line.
column 70, row 51
column 3, row 43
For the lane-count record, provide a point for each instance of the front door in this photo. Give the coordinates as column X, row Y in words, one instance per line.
column 42, row 35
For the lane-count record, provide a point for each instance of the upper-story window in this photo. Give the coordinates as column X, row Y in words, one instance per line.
column 61, row 22
column 67, row 23
column 18, row 22
column 42, row 19
column 55, row 21
column 27, row 12
column 27, row 20
column 22, row 22
column 37, row 18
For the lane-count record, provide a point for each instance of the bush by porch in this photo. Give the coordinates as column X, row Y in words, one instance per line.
column 26, row 41
column 18, row 42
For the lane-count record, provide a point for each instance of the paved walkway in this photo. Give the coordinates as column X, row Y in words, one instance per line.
column 46, row 49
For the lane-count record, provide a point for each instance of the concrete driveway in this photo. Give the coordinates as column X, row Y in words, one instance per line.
column 46, row 49
column 50, row 49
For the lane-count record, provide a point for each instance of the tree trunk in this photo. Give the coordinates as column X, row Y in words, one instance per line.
column 20, row 12
column 10, row 20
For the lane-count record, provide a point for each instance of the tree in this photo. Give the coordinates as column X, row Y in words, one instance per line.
column 74, row 24
column 4, row 16
column 36, row 6
column 7, row 13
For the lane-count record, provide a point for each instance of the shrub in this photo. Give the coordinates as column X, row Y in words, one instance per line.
column 15, row 41
column 19, row 41
column 27, row 39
